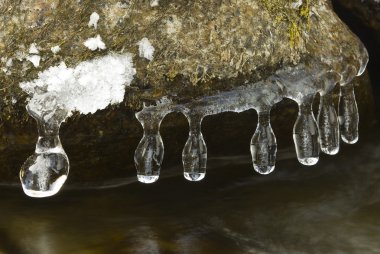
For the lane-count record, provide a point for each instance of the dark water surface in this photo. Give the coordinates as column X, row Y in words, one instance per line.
column 333, row 207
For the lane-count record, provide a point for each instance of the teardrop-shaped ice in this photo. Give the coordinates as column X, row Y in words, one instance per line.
column 44, row 173
column 263, row 145
column 149, row 153
column 348, row 114
column 194, row 154
column 305, row 134
column 328, row 124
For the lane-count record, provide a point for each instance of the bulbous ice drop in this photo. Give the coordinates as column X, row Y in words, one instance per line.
column 328, row 125
column 348, row 114
column 194, row 154
column 44, row 173
column 264, row 146
column 149, row 153
column 305, row 134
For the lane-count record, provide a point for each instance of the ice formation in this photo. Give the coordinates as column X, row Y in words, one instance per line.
column 55, row 49
column 300, row 83
column 95, row 43
column 94, row 18
column 34, row 59
column 154, row 3
column 33, row 49
column 146, row 49
column 59, row 91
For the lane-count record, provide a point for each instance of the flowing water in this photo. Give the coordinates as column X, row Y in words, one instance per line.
column 332, row 207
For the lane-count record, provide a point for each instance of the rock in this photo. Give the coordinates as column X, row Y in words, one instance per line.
column 198, row 49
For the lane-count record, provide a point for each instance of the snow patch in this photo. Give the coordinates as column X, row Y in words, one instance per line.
column 154, row 3
column 94, row 18
column 90, row 86
column 95, row 43
column 9, row 62
column 146, row 49
column 33, row 49
column 34, row 59
column 55, row 49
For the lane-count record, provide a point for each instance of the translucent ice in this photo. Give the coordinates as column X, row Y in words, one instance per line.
column 328, row 124
column 150, row 151
column 305, row 134
column 44, row 173
column 263, row 145
column 194, row 154
column 300, row 85
column 348, row 114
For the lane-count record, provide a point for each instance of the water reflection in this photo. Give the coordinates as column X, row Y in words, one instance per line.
column 333, row 207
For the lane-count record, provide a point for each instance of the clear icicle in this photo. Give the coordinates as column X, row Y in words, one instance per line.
column 263, row 145
column 44, row 173
column 305, row 133
column 348, row 114
column 328, row 124
column 194, row 154
column 150, row 151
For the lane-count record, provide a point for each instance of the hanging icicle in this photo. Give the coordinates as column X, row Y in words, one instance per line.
column 328, row 124
column 263, row 144
column 44, row 173
column 305, row 133
column 348, row 114
column 194, row 154
column 150, row 151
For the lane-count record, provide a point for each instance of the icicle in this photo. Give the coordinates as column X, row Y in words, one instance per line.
column 44, row 173
column 194, row 154
column 150, row 151
column 305, row 133
column 263, row 145
column 328, row 125
column 348, row 114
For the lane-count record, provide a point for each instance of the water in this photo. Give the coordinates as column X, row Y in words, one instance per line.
column 333, row 209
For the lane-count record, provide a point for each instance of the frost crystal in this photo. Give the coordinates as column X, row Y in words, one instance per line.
column 95, row 43
column 146, row 49
column 94, row 18
column 90, row 86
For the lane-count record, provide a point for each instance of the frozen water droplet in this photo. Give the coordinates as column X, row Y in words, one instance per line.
column 305, row 134
column 329, row 135
column 263, row 145
column 44, row 173
column 348, row 114
column 194, row 177
column 150, row 151
column 194, row 154
column 147, row 179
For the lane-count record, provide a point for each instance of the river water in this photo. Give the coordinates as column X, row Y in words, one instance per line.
column 333, row 207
